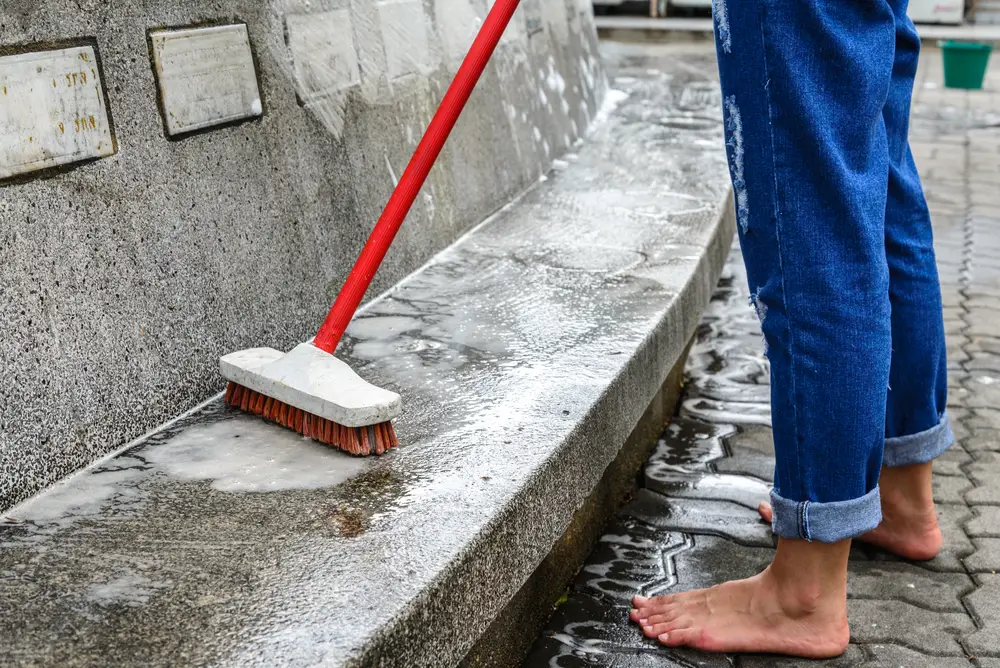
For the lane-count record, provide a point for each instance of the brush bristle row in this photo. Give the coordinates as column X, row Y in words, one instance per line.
column 374, row 439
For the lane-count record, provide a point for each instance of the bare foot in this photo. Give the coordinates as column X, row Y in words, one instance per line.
column 909, row 525
column 797, row 606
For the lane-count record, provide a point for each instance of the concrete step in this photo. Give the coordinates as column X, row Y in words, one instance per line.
column 526, row 354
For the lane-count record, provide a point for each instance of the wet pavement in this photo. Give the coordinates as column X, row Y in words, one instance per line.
column 693, row 522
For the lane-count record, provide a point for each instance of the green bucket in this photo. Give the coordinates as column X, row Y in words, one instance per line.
column 965, row 64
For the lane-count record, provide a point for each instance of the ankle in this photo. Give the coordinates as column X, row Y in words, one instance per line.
column 907, row 487
column 810, row 578
column 799, row 599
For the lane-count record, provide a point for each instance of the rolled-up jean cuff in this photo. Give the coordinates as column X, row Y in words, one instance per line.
column 918, row 448
column 825, row 522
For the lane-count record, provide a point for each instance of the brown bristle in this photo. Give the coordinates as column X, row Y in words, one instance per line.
column 386, row 426
column 365, row 443
column 372, row 439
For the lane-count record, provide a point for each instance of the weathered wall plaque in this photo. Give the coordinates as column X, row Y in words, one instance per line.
column 206, row 77
column 52, row 110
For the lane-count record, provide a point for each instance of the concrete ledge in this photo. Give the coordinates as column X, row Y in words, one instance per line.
column 526, row 354
column 509, row 637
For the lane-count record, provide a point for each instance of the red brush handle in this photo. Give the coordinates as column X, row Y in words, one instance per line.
column 413, row 178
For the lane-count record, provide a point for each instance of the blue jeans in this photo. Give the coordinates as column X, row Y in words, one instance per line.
column 838, row 247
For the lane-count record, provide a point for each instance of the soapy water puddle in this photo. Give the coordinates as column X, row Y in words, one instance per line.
column 237, row 454
column 245, row 455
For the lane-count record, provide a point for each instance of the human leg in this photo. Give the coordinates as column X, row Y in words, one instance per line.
column 804, row 86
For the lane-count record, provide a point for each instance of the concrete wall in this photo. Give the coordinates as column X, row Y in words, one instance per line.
column 123, row 279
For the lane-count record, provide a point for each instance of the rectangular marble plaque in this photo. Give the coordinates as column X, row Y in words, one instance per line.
column 206, row 76
column 52, row 110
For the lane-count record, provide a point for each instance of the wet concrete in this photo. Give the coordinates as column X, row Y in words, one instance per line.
column 525, row 355
column 126, row 278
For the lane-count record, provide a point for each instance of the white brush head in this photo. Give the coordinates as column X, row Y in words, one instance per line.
column 314, row 381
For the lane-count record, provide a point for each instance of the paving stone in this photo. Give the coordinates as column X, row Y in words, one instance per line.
column 895, row 656
column 688, row 445
column 984, row 604
column 983, row 390
column 718, row 518
column 957, row 394
column 663, row 658
column 986, row 558
column 751, row 453
column 977, row 301
column 890, row 622
column 586, row 632
column 985, row 523
column 744, row 490
column 711, row 560
column 950, row 489
column 982, row 323
column 907, row 582
column 630, row 558
column 852, row 658
column 951, row 297
column 954, row 326
column 985, row 473
column 862, row 656
column 982, row 439
column 957, row 421
column 951, row 461
column 982, row 417
column 983, row 364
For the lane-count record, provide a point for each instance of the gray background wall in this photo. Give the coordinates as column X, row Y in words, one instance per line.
column 123, row 280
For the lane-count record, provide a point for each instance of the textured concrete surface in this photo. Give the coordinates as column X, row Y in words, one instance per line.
column 125, row 279
column 692, row 523
column 525, row 355
column 510, row 636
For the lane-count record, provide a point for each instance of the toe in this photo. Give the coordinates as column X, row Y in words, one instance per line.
column 680, row 637
column 656, row 629
column 663, row 616
column 657, row 603
column 765, row 510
